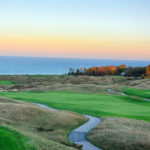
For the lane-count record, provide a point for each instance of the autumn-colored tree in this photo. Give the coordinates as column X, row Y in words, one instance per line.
column 107, row 70
column 148, row 71
column 93, row 71
column 121, row 68
column 85, row 70
column 113, row 70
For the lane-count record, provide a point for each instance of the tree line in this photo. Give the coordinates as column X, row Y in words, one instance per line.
column 121, row 70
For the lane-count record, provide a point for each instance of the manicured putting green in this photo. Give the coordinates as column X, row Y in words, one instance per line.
column 92, row 104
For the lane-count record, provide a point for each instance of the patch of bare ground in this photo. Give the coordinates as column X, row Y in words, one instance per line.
column 121, row 134
column 48, row 130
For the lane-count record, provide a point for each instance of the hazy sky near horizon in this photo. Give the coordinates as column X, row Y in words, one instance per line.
column 116, row 29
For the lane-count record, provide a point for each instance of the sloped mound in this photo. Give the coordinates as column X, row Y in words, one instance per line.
column 121, row 134
column 47, row 129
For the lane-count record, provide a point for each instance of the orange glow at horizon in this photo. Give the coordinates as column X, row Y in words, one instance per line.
column 120, row 48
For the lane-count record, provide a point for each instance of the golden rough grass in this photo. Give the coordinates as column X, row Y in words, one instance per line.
column 121, row 134
column 82, row 84
column 140, row 84
column 28, row 118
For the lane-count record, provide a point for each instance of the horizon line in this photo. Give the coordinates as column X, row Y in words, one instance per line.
column 92, row 58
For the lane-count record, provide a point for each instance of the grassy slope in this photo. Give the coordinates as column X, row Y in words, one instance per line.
column 12, row 140
column 27, row 118
column 121, row 134
column 137, row 92
column 92, row 104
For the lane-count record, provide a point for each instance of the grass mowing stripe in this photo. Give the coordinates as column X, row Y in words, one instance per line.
column 12, row 140
column 5, row 82
column 137, row 92
column 92, row 104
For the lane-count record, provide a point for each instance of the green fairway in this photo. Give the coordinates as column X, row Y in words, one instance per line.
column 92, row 104
column 6, row 82
column 137, row 92
column 12, row 140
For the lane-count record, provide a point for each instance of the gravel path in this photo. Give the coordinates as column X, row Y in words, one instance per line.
column 78, row 136
column 44, row 106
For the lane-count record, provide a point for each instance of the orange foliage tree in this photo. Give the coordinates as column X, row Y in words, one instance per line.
column 121, row 68
column 113, row 70
column 148, row 71
column 107, row 70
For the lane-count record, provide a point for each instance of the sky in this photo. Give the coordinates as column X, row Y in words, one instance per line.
column 111, row 29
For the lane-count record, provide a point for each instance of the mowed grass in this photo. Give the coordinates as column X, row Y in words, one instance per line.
column 6, row 82
column 92, row 104
column 137, row 92
column 12, row 140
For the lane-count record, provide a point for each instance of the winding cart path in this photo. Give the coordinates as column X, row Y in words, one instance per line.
column 78, row 135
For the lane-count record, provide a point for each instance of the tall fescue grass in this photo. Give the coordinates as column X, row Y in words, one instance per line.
column 121, row 134
column 82, row 84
